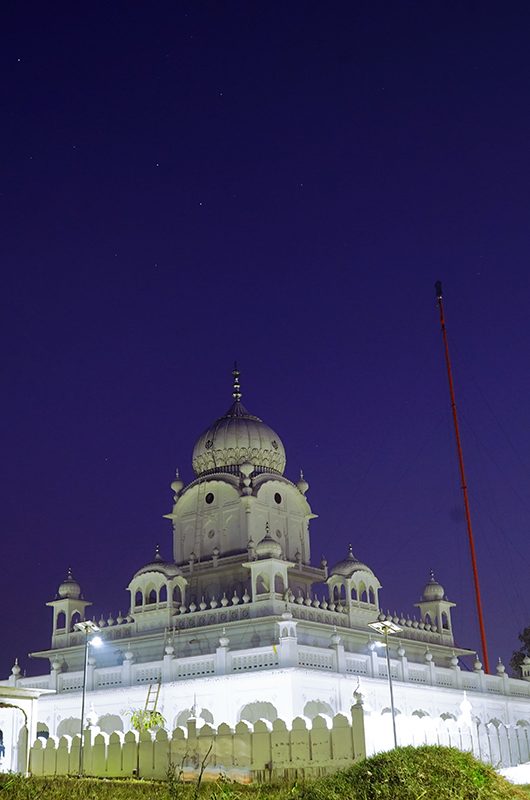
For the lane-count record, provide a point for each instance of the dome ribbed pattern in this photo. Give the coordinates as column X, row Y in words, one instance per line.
column 236, row 438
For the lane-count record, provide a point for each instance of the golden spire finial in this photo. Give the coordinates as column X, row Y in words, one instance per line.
column 236, row 392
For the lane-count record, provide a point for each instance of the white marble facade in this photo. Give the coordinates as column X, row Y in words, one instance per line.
column 241, row 625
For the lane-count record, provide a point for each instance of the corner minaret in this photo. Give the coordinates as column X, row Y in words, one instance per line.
column 68, row 608
column 435, row 608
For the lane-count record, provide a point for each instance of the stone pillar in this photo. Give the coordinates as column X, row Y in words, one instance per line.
column 167, row 663
column 91, row 674
column 403, row 663
column 432, row 667
column 338, row 647
column 54, row 675
column 358, row 734
column 479, row 672
column 501, row 672
column 373, row 664
column 222, row 656
column 126, row 668
column 192, row 744
column 456, row 669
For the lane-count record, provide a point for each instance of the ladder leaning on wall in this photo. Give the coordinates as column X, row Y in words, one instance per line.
column 153, row 693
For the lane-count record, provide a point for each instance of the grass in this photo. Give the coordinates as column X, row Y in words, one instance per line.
column 414, row 773
column 408, row 773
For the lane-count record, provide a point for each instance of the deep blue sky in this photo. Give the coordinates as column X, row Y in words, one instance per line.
column 281, row 183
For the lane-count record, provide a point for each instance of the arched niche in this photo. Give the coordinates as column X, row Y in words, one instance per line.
column 43, row 731
column 70, row 726
column 110, row 723
column 315, row 707
column 260, row 709
column 186, row 714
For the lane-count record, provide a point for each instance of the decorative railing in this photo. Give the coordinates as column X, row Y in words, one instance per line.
column 287, row 653
column 261, row 658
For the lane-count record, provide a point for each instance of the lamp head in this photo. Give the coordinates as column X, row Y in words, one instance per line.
column 385, row 626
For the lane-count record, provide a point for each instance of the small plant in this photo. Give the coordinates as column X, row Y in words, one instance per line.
column 174, row 781
column 144, row 720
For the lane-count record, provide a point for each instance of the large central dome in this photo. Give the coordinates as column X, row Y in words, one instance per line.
column 236, row 438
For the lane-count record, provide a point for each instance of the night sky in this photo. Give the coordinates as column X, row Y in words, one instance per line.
column 185, row 184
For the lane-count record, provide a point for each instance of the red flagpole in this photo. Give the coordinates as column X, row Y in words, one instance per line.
column 463, row 481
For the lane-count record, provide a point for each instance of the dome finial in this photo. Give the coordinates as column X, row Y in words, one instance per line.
column 236, row 393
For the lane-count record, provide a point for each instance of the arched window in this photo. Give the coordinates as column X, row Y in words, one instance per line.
column 353, row 593
column 371, row 596
column 445, row 621
column 138, row 599
column 427, row 619
column 162, row 595
column 363, row 595
column 177, row 597
column 151, row 597
column 279, row 584
column 75, row 619
column 343, row 593
column 261, row 584
column 61, row 620
column 335, row 593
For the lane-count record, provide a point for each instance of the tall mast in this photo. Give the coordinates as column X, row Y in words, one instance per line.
column 463, row 480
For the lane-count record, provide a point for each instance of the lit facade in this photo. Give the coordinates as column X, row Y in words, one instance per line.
column 240, row 625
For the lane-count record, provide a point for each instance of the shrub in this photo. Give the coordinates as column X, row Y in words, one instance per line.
column 413, row 773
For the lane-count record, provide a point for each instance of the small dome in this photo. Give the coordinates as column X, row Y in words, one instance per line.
column 167, row 568
column 268, row 547
column 69, row 587
column 237, row 438
column 433, row 590
column 349, row 565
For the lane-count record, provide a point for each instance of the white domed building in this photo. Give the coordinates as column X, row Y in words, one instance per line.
column 240, row 625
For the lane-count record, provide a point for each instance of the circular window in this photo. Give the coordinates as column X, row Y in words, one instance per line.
column 278, row 498
column 278, row 534
column 275, row 444
column 211, row 534
column 209, row 498
column 209, row 444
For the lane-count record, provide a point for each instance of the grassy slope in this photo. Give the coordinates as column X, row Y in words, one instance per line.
column 424, row 773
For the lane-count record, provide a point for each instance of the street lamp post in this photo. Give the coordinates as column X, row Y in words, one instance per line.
column 87, row 627
column 387, row 627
